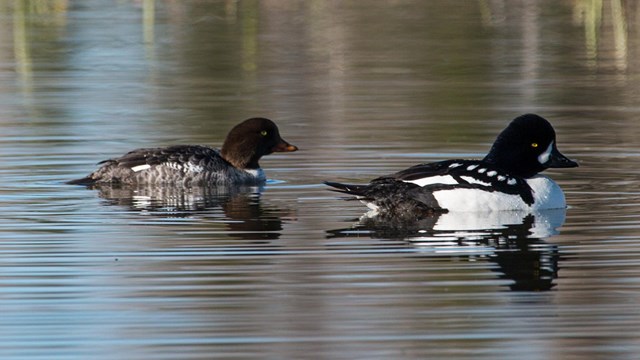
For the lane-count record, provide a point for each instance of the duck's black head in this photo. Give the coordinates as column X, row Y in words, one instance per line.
column 248, row 141
column 526, row 147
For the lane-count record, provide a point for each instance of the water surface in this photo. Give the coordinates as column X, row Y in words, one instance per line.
column 291, row 270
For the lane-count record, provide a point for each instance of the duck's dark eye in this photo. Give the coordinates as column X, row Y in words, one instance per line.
column 263, row 133
column 534, row 145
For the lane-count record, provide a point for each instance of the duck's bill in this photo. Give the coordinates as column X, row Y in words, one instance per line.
column 284, row 146
column 557, row 160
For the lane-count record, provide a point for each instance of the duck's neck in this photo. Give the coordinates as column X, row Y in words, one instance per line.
column 239, row 158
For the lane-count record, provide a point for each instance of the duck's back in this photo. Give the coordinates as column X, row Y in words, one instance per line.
column 180, row 164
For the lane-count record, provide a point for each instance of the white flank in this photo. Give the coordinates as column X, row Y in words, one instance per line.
column 544, row 157
column 546, row 194
column 478, row 200
column 140, row 167
column 429, row 180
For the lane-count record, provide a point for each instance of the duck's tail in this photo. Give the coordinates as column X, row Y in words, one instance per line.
column 351, row 189
column 86, row 181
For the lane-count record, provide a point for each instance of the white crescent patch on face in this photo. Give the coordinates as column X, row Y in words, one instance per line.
column 544, row 157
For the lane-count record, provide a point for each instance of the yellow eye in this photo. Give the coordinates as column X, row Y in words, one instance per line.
column 263, row 132
column 534, row 145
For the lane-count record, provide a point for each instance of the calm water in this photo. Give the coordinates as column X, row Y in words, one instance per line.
column 364, row 88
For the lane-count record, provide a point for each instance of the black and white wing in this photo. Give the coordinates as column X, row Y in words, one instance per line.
column 463, row 174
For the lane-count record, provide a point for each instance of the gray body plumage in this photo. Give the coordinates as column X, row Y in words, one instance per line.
column 187, row 165
column 237, row 163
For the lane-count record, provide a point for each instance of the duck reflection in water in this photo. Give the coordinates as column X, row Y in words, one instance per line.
column 238, row 207
column 513, row 240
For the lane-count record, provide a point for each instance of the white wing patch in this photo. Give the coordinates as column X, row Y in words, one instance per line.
column 429, row 180
column 141, row 167
column 472, row 180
